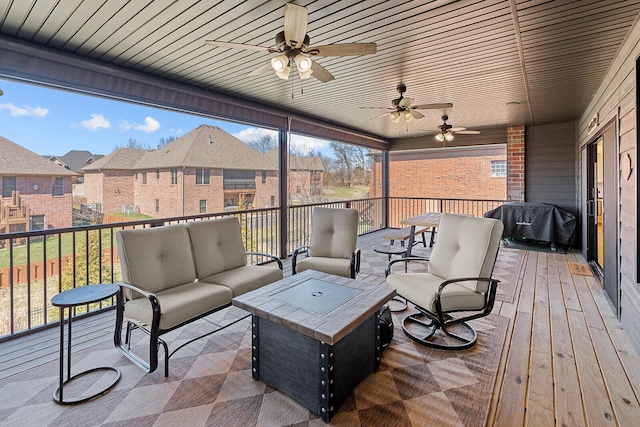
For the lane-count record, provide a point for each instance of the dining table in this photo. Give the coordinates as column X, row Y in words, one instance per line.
column 429, row 219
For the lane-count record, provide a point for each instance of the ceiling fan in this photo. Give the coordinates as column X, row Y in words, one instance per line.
column 292, row 45
column 445, row 131
column 402, row 107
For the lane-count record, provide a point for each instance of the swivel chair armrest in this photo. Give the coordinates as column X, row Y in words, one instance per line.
column 387, row 270
column 465, row 279
column 294, row 257
column 273, row 257
column 489, row 295
column 354, row 265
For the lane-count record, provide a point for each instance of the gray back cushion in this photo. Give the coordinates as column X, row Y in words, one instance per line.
column 157, row 258
column 466, row 247
column 217, row 245
column 334, row 232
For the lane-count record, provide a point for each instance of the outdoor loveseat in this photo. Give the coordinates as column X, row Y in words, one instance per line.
column 175, row 274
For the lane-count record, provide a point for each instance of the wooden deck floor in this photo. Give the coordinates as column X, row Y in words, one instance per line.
column 566, row 359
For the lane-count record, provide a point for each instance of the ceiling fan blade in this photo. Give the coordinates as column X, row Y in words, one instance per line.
column 264, row 69
column 380, row 115
column 405, row 102
column 433, row 106
column 417, row 114
column 295, row 24
column 467, row 132
column 238, row 46
column 343, row 49
column 458, row 129
column 321, row 73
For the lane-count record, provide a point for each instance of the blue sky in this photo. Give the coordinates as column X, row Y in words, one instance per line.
column 53, row 122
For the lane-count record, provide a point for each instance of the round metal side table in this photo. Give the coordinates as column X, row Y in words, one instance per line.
column 70, row 299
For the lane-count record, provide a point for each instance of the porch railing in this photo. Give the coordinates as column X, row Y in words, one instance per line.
column 36, row 265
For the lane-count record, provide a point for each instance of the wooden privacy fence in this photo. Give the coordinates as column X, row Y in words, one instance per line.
column 37, row 269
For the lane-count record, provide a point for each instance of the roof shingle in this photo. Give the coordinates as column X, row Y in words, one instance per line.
column 17, row 160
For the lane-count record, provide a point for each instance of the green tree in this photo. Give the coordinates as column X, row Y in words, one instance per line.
column 87, row 268
column 247, row 236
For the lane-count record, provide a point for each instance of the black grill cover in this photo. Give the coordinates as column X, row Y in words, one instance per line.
column 538, row 221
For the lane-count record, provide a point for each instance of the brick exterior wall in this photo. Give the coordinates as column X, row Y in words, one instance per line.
column 515, row 163
column 112, row 188
column 56, row 209
column 452, row 174
column 266, row 190
column 158, row 186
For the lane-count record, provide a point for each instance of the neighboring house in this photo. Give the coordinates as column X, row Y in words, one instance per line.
column 478, row 172
column 108, row 182
column 305, row 176
column 36, row 193
column 206, row 170
column 75, row 160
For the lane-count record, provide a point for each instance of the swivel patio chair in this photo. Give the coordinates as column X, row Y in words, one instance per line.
column 458, row 280
column 332, row 246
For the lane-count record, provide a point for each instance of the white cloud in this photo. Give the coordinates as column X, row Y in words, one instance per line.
column 179, row 131
column 97, row 121
column 255, row 134
column 150, row 125
column 301, row 144
column 24, row 111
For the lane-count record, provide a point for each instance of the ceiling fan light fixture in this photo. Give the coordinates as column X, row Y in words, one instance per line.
column 448, row 136
column 406, row 114
column 395, row 116
column 303, row 64
column 284, row 74
column 440, row 137
column 279, row 63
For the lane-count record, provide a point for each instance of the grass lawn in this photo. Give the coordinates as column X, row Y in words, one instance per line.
column 37, row 254
column 346, row 193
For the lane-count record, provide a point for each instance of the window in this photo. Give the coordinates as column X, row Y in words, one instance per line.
column 174, row 176
column 157, row 173
column 203, row 176
column 264, row 177
column 144, row 178
column 157, row 205
column 58, row 186
column 135, row 175
column 239, row 179
column 273, row 201
column 8, row 185
column 498, row 168
column 298, row 189
column 37, row 222
column 203, row 206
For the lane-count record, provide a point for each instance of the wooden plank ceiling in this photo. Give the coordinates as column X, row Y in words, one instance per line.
column 500, row 62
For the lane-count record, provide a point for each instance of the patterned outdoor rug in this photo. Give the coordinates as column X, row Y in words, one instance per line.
column 210, row 384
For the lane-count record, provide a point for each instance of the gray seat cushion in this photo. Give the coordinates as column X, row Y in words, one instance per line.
column 217, row 245
column 334, row 233
column 155, row 259
column 246, row 278
column 337, row 266
column 180, row 303
column 421, row 289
